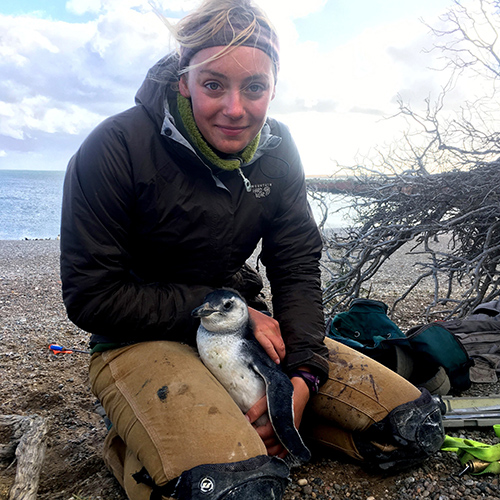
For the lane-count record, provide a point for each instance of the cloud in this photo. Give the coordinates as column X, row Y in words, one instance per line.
column 80, row 7
column 63, row 78
column 282, row 12
column 337, row 102
column 30, row 115
column 60, row 79
column 364, row 75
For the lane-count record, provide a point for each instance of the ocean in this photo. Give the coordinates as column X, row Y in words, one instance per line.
column 30, row 204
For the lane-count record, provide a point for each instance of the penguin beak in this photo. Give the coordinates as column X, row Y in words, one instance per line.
column 203, row 311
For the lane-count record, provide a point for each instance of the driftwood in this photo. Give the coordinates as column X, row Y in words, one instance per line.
column 27, row 443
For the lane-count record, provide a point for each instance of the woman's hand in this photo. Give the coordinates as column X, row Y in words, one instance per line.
column 266, row 432
column 268, row 334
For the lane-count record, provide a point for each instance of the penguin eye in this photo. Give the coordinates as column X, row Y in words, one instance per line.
column 228, row 304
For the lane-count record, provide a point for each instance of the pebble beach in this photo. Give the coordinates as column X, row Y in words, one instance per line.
column 35, row 381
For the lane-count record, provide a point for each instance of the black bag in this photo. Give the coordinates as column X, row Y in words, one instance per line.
column 429, row 355
column 434, row 345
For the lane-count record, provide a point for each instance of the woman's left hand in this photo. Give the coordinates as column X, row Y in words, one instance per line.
column 268, row 334
column 266, row 432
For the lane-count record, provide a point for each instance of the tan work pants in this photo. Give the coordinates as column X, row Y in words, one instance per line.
column 170, row 414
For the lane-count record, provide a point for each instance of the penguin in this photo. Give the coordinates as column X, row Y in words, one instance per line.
column 228, row 348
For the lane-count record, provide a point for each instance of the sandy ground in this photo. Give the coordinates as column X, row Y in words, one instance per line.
column 35, row 381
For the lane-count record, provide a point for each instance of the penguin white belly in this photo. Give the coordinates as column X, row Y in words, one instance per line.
column 224, row 356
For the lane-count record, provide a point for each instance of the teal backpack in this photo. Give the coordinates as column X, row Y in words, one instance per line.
column 428, row 356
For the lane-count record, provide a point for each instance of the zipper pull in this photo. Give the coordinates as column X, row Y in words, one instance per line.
column 248, row 184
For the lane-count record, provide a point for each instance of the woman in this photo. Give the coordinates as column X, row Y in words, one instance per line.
column 164, row 203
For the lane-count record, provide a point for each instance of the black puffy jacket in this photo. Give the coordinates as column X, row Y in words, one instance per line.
column 148, row 229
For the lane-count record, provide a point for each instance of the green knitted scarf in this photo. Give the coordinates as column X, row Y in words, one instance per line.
column 187, row 117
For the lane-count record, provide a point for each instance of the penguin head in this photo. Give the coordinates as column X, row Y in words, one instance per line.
column 223, row 311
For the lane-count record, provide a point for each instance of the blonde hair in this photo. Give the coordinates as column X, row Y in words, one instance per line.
column 226, row 23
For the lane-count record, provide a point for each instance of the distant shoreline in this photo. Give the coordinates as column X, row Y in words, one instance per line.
column 30, row 170
column 57, row 238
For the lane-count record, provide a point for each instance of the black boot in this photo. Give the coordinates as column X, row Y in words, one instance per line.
column 259, row 478
column 407, row 436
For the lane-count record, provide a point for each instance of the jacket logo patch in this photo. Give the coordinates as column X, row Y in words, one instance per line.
column 261, row 190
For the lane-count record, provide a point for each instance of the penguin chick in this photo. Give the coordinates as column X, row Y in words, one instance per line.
column 224, row 344
column 228, row 348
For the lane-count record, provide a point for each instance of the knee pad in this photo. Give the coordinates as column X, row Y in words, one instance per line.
column 408, row 435
column 261, row 477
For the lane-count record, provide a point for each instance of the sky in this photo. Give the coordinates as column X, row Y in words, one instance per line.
column 66, row 65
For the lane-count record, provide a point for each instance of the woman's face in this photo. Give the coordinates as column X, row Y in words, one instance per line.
column 230, row 96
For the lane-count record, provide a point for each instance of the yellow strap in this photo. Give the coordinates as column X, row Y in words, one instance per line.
column 470, row 451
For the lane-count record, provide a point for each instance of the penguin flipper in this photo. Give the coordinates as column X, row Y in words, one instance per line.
column 279, row 394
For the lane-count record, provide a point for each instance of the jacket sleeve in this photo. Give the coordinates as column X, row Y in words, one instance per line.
column 100, row 292
column 291, row 252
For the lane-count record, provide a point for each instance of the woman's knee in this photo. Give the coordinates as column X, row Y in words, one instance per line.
column 170, row 411
column 359, row 391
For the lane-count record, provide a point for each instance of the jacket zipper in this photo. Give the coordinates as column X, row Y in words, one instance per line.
column 246, row 182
